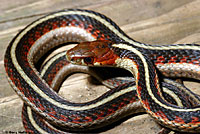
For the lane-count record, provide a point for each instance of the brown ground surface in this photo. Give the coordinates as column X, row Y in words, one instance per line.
column 148, row 21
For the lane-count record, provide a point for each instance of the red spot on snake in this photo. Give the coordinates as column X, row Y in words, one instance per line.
column 146, row 103
column 76, row 119
column 55, row 25
column 81, row 25
column 179, row 120
column 122, row 104
column 103, row 37
column 31, row 99
column 53, row 112
column 184, row 59
column 160, row 60
column 195, row 62
column 96, row 33
column 88, row 119
column 52, row 115
column 139, row 89
column 46, row 29
column 63, row 118
column 41, row 107
column 195, row 120
column 110, row 111
column 63, row 23
column 173, row 59
column 30, row 41
column 101, row 114
column 161, row 114
column 37, row 35
column 73, row 23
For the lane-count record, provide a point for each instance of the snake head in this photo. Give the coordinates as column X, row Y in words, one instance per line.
column 95, row 53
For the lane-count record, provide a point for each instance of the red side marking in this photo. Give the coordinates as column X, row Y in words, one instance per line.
column 184, row 59
column 139, row 89
column 31, row 99
column 63, row 118
column 101, row 114
column 131, row 100
column 98, row 117
column 54, row 71
column 96, row 33
column 146, row 103
column 110, row 111
column 89, row 28
column 107, row 37
column 89, row 119
column 26, row 48
column 160, row 60
column 173, row 59
column 55, row 25
column 73, row 22
column 75, row 119
column 32, row 73
column 179, row 120
column 156, row 80
column 12, row 76
column 63, row 23
column 81, row 25
column 76, row 122
column 52, row 116
column 41, row 107
column 25, row 123
column 195, row 61
column 138, row 76
column 49, row 79
column 27, row 129
column 30, row 40
column 157, row 85
column 195, row 120
column 122, row 104
column 114, row 105
column 161, row 114
column 102, row 37
column 15, row 80
column 53, row 112
column 37, row 34
column 46, row 29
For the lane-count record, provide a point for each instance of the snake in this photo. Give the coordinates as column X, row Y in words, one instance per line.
column 78, row 25
column 57, row 68
column 135, row 60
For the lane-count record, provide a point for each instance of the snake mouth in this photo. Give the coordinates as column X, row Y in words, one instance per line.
column 80, row 60
column 73, row 60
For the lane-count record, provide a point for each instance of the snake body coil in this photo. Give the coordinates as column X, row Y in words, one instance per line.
column 57, row 68
column 83, row 25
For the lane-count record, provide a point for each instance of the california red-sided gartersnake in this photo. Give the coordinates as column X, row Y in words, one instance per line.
column 119, row 50
column 57, row 68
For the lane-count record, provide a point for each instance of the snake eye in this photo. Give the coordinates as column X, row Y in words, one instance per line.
column 88, row 60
